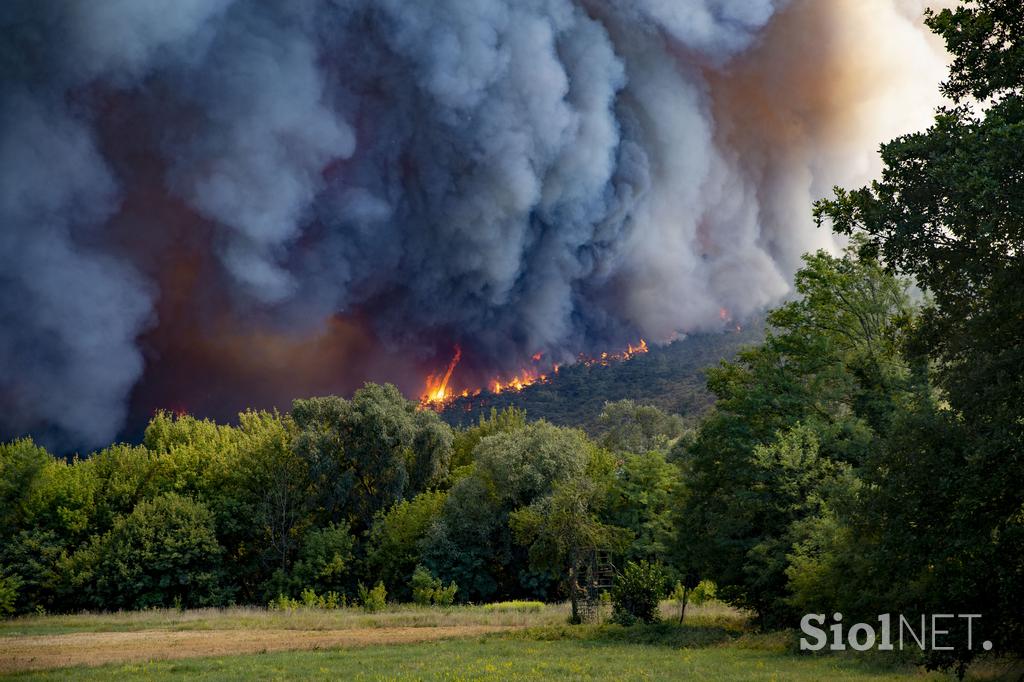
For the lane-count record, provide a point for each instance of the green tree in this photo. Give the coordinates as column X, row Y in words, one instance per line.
column 637, row 593
column 831, row 363
column 466, row 440
column 394, row 545
column 642, row 497
column 471, row 543
column 163, row 553
column 262, row 499
column 325, row 561
column 561, row 527
column 628, row 427
column 367, row 453
column 949, row 210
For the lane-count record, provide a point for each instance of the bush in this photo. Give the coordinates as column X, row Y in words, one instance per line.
column 310, row 599
column 426, row 589
column 423, row 585
column 637, row 593
column 703, row 593
column 283, row 603
column 445, row 596
column 373, row 600
column 164, row 552
column 8, row 594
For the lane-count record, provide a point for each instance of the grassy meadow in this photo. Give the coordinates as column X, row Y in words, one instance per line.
column 410, row 642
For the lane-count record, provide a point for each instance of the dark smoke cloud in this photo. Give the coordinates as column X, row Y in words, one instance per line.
column 206, row 204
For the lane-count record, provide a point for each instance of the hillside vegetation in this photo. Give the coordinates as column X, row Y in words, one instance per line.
column 670, row 377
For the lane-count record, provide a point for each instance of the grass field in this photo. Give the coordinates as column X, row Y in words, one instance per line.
column 459, row 643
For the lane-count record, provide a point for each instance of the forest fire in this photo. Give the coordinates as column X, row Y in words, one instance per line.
column 437, row 393
column 726, row 317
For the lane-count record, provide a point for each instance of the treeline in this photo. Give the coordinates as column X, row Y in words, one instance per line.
column 334, row 494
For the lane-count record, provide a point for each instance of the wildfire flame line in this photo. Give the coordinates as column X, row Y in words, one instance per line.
column 437, row 395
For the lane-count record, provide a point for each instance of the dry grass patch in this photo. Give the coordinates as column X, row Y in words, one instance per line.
column 97, row 648
column 253, row 618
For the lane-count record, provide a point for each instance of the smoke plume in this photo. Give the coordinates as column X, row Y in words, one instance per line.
column 209, row 204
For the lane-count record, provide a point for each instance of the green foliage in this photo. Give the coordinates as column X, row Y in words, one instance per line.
column 508, row 420
column 394, row 543
column 258, row 490
column 560, row 528
column 426, row 589
column 637, row 592
column 325, row 559
column 374, row 599
column 628, row 427
column 949, row 210
column 796, row 416
column 471, row 543
column 423, row 586
column 308, row 599
column 644, row 499
column 8, row 594
column 21, row 465
column 367, row 453
column 165, row 549
column 283, row 603
column 557, row 527
column 704, row 593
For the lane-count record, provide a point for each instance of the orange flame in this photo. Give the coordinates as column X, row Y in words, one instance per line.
column 437, row 394
column 606, row 359
column 436, row 390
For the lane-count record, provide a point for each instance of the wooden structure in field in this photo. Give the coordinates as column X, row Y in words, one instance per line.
column 593, row 572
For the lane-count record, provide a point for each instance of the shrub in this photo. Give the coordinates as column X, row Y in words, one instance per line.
column 423, row 586
column 309, row 599
column 426, row 589
column 332, row 600
column 163, row 552
column 703, row 593
column 283, row 603
column 8, row 594
column 637, row 593
column 373, row 600
column 445, row 596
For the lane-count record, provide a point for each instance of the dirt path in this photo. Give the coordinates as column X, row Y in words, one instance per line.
column 96, row 648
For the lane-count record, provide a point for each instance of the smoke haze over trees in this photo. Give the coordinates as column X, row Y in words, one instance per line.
column 218, row 203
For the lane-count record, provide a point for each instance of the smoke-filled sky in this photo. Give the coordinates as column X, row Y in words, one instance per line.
column 213, row 204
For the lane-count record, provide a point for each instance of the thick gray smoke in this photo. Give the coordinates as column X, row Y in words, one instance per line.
column 512, row 175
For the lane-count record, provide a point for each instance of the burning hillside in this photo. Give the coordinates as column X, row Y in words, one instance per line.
column 440, row 391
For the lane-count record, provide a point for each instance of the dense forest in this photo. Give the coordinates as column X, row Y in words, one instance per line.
column 865, row 457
